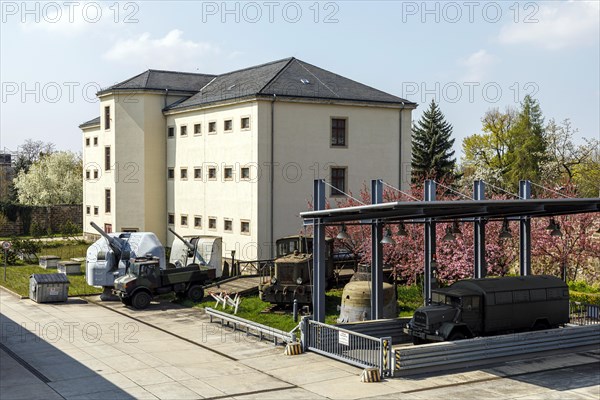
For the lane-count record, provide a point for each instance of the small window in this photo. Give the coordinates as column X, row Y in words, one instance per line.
column 183, row 130
column 107, row 117
column 212, row 127
column 228, row 173
column 171, row 219
column 183, row 174
column 87, row 174
column 521, row 296
column 212, row 173
column 107, row 200
column 197, row 222
column 228, row 125
column 95, row 174
column 95, row 140
column 171, row 131
column 228, row 225
column 183, row 220
column 107, row 158
column 212, row 223
column 245, row 227
column 198, row 173
column 537, row 294
column 245, row 173
column 504, row 297
column 87, row 142
column 95, row 210
column 338, row 132
column 338, row 181
column 171, row 173
column 88, row 209
column 245, row 123
column 197, row 129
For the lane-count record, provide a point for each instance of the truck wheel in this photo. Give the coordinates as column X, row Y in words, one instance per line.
column 456, row 336
column 418, row 340
column 195, row 293
column 141, row 300
column 126, row 301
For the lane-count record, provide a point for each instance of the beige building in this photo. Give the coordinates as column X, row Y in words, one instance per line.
column 235, row 155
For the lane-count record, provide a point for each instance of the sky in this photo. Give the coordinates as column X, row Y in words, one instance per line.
column 468, row 56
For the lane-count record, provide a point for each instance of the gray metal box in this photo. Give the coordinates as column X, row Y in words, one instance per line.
column 47, row 288
column 69, row 268
column 49, row 262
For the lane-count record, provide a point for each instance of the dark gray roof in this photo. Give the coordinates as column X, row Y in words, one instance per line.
column 161, row 80
column 289, row 77
column 91, row 122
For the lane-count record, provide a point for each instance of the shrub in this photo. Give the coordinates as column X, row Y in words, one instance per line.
column 36, row 229
column 69, row 229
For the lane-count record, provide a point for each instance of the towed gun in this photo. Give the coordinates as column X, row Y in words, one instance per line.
column 185, row 241
column 191, row 249
column 117, row 245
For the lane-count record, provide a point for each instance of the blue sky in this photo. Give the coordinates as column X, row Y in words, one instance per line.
column 469, row 56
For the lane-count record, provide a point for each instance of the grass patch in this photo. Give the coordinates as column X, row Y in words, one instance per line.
column 17, row 280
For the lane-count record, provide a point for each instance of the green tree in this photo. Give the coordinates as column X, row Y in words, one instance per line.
column 54, row 179
column 432, row 154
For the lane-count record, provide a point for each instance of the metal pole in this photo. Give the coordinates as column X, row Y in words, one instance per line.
column 5, row 262
column 295, row 310
column 319, row 266
column 479, row 234
column 525, row 233
column 429, row 195
column 376, row 254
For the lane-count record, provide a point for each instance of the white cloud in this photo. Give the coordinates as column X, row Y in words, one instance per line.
column 558, row 25
column 168, row 52
column 477, row 65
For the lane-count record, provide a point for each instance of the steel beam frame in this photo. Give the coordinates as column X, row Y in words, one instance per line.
column 480, row 267
column 430, row 242
column 319, row 249
column 525, row 232
column 376, row 254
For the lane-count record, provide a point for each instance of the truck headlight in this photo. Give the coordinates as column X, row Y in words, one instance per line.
column 274, row 280
column 299, row 281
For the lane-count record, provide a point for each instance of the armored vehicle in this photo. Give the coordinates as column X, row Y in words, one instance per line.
column 145, row 279
column 479, row 307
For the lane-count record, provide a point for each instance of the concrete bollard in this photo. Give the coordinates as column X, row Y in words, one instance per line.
column 370, row 375
column 293, row 349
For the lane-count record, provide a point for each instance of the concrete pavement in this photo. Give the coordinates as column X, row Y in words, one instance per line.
column 82, row 350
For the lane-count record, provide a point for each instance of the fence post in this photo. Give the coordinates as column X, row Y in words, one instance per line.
column 304, row 332
column 385, row 350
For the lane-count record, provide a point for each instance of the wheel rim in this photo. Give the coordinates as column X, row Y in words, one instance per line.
column 196, row 293
column 142, row 300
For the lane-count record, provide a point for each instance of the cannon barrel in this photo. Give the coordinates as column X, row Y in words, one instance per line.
column 115, row 244
column 187, row 243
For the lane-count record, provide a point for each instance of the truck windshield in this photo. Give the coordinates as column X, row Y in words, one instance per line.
column 438, row 298
column 453, row 301
column 134, row 269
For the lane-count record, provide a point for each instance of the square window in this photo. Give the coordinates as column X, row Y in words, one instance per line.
column 245, row 227
column 212, row 223
column 183, row 174
column 171, row 131
column 338, row 132
column 228, row 225
column 212, row 173
column 183, row 220
column 95, row 174
column 95, row 210
column 198, row 222
column 338, row 181
column 171, row 219
column 197, row 173
column 212, row 127
column 87, row 210
column 87, row 174
column 228, row 125
column 87, row 142
column 245, row 173
column 245, row 123
column 197, row 129
column 183, row 130
column 171, row 173
column 228, row 173
column 96, row 141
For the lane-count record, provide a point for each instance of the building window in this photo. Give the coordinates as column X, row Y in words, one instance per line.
column 95, row 174
column 106, row 200
column 212, row 173
column 183, row 220
column 197, row 129
column 107, row 158
column 198, row 222
column 245, row 227
column 131, row 230
column 212, row 127
column 183, row 130
column 171, row 219
column 183, row 174
column 107, row 117
column 198, row 173
column 171, row 131
column 95, row 210
column 87, row 142
column 228, row 173
column 245, row 173
column 338, row 132
column 87, row 174
column 96, row 141
column 228, row 225
column 88, row 209
column 338, row 181
column 171, row 173
column 228, row 125
column 245, row 123
column 108, row 228
column 212, row 223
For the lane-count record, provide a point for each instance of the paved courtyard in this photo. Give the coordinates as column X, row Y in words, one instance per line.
column 81, row 350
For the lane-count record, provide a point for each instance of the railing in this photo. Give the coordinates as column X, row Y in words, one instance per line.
column 254, row 267
column 251, row 327
column 350, row 347
column 584, row 314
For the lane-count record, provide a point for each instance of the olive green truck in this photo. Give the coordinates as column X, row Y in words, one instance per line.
column 481, row 307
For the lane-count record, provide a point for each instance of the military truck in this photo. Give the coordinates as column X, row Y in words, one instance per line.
column 481, row 307
column 144, row 279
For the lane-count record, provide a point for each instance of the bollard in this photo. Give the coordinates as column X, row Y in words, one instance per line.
column 295, row 310
column 370, row 375
column 293, row 349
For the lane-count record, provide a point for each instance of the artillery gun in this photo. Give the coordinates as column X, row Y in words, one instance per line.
column 203, row 251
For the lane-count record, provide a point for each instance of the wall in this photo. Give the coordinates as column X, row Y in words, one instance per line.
column 49, row 216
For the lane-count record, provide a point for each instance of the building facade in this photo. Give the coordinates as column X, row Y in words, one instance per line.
column 235, row 155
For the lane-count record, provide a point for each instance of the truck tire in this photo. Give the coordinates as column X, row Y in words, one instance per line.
column 195, row 293
column 126, row 301
column 417, row 341
column 141, row 300
column 458, row 335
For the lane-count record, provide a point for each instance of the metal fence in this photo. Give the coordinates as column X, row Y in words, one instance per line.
column 584, row 314
column 350, row 347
